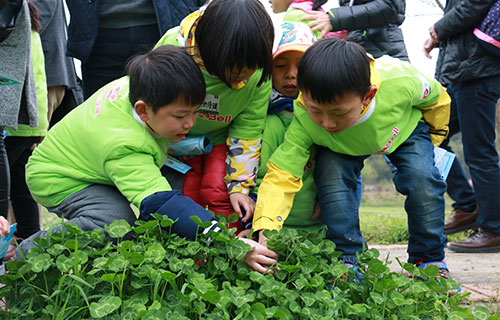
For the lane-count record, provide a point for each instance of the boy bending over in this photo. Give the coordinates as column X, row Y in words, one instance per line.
column 353, row 106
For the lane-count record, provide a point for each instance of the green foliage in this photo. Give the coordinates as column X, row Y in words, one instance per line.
column 159, row 275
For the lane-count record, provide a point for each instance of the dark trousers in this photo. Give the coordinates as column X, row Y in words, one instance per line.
column 4, row 178
column 475, row 104
column 111, row 51
column 19, row 149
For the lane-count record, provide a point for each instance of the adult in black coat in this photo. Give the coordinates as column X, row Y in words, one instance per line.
column 104, row 34
column 472, row 77
column 372, row 23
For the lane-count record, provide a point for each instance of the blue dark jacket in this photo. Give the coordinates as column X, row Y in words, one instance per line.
column 84, row 23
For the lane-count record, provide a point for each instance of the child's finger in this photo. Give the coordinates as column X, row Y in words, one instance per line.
column 263, row 260
column 248, row 211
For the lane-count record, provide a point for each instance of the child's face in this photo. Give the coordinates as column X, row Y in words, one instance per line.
column 285, row 73
column 172, row 121
column 235, row 76
column 335, row 117
column 280, row 5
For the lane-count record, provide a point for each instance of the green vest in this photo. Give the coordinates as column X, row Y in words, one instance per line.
column 37, row 58
column 99, row 142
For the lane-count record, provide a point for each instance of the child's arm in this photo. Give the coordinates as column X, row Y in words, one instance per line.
column 4, row 226
column 181, row 208
column 377, row 13
column 275, row 200
column 283, row 178
column 244, row 145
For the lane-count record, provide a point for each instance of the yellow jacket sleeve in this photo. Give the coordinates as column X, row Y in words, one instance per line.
column 275, row 198
column 437, row 116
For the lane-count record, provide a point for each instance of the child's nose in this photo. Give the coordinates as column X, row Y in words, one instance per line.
column 292, row 72
column 189, row 123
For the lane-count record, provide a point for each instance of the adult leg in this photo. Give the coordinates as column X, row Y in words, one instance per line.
column 460, row 191
column 420, row 181
column 4, row 178
column 476, row 105
column 91, row 208
column 19, row 149
column 336, row 177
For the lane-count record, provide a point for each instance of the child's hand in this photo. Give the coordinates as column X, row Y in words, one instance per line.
column 239, row 200
column 260, row 258
column 262, row 238
column 244, row 233
column 319, row 21
column 317, row 212
column 4, row 226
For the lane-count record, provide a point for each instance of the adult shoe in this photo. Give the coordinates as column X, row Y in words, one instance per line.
column 479, row 241
column 461, row 220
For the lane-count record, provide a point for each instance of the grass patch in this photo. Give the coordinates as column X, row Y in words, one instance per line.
column 383, row 219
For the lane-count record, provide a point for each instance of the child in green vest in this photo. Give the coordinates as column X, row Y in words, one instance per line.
column 295, row 38
column 353, row 106
column 231, row 41
column 107, row 153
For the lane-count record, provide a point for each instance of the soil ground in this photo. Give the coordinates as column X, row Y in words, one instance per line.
column 477, row 273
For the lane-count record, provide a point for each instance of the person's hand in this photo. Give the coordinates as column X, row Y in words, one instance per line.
column 429, row 44
column 320, row 21
column 239, row 200
column 317, row 212
column 260, row 258
column 4, row 227
column 244, row 233
column 433, row 34
column 262, row 238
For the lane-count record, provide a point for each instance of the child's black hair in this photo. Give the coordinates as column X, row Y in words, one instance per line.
column 164, row 75
column 235, row 33
column 331, row 68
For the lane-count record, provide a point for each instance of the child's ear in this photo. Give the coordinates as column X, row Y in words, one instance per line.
column 370, row 95
column 140, row 108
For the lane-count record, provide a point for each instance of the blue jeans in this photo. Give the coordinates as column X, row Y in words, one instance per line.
column 475, row 103
column 417, row 178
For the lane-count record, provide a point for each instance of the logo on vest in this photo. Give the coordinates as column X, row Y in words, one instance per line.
column 214, row 117
column 395, row 132
column 210, row 104
column 426, row 87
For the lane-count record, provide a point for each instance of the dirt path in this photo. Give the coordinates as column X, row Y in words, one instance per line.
column 477, row 273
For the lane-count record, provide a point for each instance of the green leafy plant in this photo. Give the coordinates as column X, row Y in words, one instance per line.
column 159, row 275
